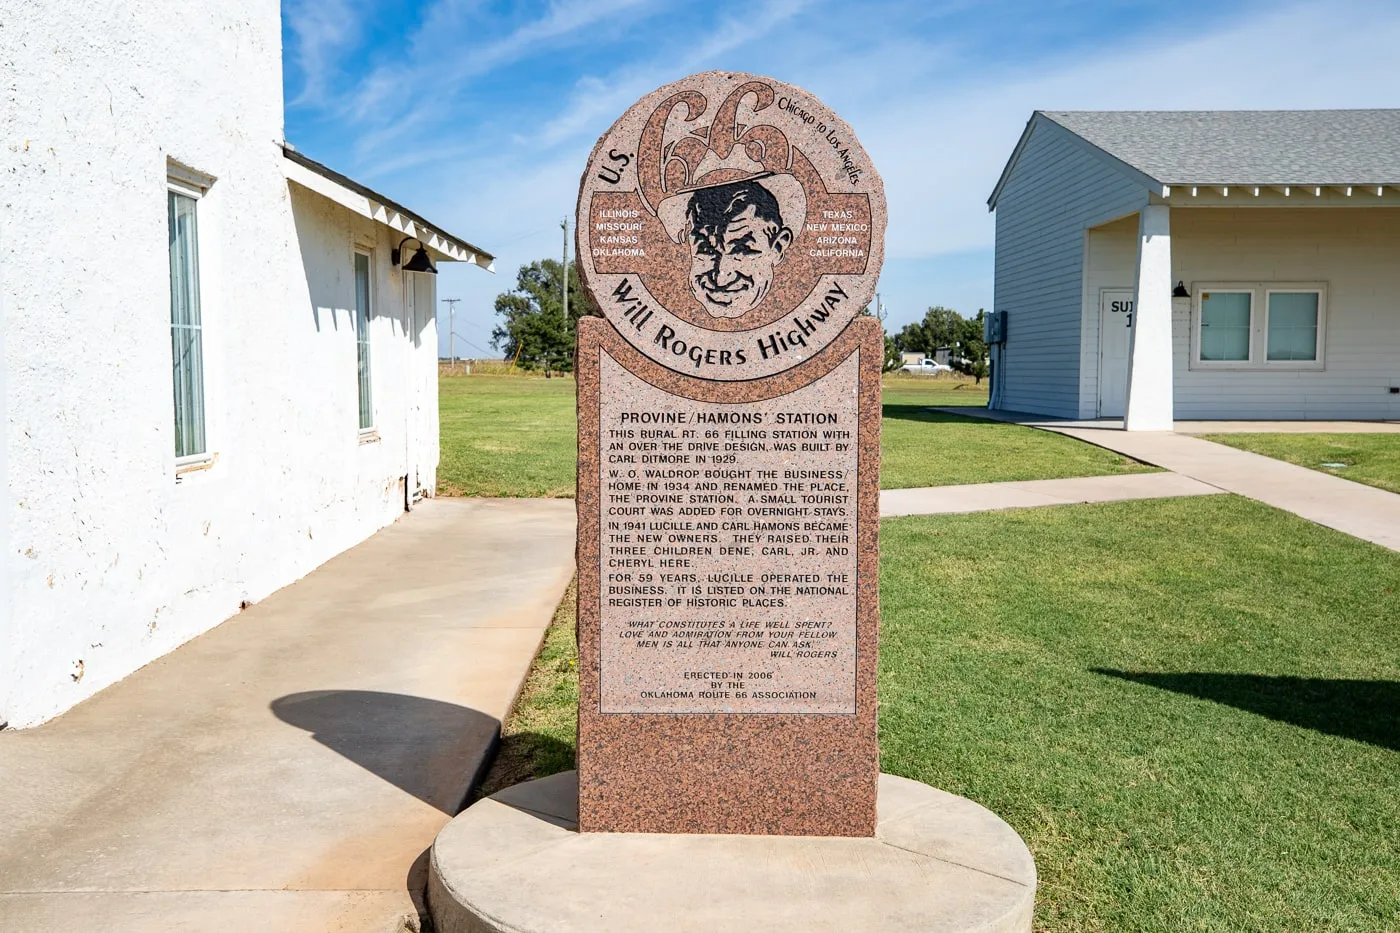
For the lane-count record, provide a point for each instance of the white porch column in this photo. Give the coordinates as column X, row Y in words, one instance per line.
column 1149, row 405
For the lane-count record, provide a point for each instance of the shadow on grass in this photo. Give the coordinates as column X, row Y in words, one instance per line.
column 525, row 756
column 1363, row 710
column 922, row 413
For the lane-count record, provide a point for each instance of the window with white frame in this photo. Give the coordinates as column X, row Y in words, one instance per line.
column 1292, row 320
column 362, row 318
column 1259, row 325
column 1226, row 324
column 186, row 324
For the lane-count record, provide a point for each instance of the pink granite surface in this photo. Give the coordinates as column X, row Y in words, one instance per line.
column 730, row 226
column 787, row 770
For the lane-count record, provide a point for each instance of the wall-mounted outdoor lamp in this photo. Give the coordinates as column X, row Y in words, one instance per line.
column 420, row 261
column 1180, row 291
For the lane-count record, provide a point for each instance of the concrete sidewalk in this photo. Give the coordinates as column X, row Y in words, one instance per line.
column 980, row 497
column 289, row 769
column 1054, row 423
column 1358, row 510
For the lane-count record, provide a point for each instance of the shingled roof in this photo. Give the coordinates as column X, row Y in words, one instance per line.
column 1247, row 147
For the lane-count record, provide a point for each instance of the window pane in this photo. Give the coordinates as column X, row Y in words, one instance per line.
column 189, row 392
column 186, row 330
column 362, row 316
column 1293, row 325
column 1225, row 326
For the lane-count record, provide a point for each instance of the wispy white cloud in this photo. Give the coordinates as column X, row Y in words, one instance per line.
column 941, row 153
column 564, row 19
column 323, row 29
column 440, row 59
column 937, row 117
column 596, row 97
column 593, row 98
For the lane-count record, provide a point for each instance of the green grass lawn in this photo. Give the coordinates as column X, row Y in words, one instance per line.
column 1189, row 708
column 1373, row 459
column 517, row 436
column 507, row 436
column 899, row 389
column 929, row 448
column 540, row 735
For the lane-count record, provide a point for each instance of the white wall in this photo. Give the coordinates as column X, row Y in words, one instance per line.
column 111, row 562
column 1058, row 188
column 1110, row 257
column 1355, row 250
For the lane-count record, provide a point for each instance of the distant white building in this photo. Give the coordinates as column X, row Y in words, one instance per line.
column 1200, row 265
column 216, row 374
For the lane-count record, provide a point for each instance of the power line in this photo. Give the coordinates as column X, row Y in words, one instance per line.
column 478, row 346
column 451, row 330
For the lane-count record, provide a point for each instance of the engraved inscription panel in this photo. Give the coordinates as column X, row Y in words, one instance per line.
column 728, row 548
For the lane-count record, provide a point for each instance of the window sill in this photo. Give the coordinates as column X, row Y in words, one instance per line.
column 369, row 436
column 189, row 465
column 1276, row 367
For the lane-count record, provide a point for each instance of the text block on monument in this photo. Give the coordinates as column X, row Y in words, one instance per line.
column 728, row 548
column 730, row 230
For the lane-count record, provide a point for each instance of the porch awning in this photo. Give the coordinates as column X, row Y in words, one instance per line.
column 366, row 202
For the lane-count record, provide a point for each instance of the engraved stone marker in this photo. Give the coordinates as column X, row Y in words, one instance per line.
column 731, row 230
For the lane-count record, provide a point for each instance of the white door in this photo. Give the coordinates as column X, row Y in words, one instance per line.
column 1115, row 321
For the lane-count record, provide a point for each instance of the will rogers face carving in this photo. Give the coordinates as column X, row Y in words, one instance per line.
column 730, row 226
column 737, row 239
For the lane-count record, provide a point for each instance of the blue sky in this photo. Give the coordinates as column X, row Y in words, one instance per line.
column 480, row 115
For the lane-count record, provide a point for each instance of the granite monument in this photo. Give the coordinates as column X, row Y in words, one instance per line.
column 730, row 229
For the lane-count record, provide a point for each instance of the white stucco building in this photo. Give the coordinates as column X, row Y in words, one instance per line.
column 1200, row 265
column 216, row 375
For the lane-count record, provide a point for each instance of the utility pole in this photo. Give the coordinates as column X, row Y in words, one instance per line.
column 451, row 333
column 564, row 225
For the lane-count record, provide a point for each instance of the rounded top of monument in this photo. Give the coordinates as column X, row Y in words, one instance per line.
column 730, row 226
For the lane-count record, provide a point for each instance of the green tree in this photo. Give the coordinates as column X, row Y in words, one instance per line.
column 534, row 328
column 911, row 339
column 941, row 327
column 970, row 356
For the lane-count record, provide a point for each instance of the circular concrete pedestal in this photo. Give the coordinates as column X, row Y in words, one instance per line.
column 515, row 862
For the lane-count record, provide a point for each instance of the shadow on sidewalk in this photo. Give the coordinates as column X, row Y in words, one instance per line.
column 1363, row 710
column 430, row 749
